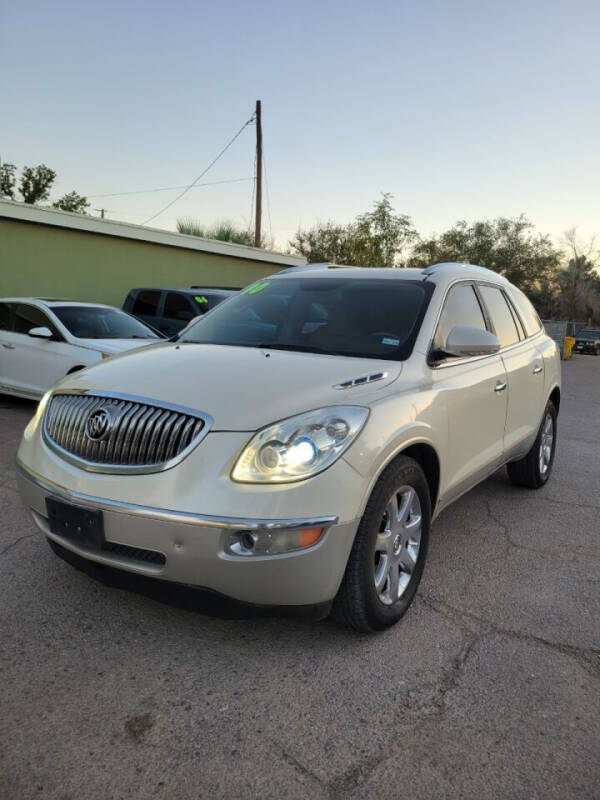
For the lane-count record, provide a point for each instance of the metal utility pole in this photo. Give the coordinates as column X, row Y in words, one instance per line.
column 258, row 214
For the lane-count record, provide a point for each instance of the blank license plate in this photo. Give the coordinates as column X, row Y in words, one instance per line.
column 80, row 525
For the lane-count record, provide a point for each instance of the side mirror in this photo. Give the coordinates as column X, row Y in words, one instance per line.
column 464, row 341
column 40, row 333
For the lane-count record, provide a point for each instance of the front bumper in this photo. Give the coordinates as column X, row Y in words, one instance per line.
column 193, row 546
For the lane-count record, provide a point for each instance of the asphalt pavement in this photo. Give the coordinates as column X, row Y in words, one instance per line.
column 489, row 687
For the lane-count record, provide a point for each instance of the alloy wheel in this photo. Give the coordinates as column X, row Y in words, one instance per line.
column 546, row 442
column 397, row 545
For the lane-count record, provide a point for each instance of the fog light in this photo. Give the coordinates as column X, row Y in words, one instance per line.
column 271, row 542
column 247, row 541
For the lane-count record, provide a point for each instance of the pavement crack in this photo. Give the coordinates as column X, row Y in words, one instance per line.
column 512, row 544
column 571, row 503
column 587, row 658
column 298, row 765
column 16, row 542
column 342, row 787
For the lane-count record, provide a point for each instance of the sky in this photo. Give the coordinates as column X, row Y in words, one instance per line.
column 461, row 110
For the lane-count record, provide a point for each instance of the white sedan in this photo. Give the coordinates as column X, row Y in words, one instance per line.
column 41, row 341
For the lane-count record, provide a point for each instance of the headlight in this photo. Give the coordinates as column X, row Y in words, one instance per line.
column 300, row 446
column 35, row 420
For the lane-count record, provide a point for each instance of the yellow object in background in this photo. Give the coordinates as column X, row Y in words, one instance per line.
column 568, row 349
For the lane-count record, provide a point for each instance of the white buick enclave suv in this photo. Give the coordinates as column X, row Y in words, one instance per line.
column 294, row 445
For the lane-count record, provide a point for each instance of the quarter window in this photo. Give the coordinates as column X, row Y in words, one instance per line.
column 526, row 311
column 501, row 315
column 461, row 308
column 28, row 317
column 146, row 304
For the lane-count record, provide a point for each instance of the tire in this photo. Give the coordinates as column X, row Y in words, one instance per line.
column 528, row 471
column 383, row 549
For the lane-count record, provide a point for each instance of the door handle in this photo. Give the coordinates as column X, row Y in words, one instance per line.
column 537, row 369
column 8, row 346
column 500, row 386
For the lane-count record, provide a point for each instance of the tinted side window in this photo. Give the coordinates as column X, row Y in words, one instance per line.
column 461, row 308
column 5, row 316
column 526, row 311
column 501, row 315
column 177, row 306
column 146, row 304
column 28, row 317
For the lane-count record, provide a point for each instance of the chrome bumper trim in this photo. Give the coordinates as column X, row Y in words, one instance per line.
column 166, row 515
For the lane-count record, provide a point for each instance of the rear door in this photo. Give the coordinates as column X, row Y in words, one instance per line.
column 147, row 306
column 6, row 344
column 179, row 309
column 524, row 368
column 473, row 394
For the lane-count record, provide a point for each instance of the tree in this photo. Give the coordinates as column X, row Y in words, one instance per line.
column 507, row 246
column 72, row 202
column 380, row 236
column 324, row 242
column 222, row 231
column 7, row 180
column 579, row 282
column 36, row 183
column 377, row 238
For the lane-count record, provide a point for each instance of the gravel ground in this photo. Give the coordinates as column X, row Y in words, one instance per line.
column 489, row 687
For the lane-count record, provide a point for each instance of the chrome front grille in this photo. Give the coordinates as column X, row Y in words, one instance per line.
column 106, row 433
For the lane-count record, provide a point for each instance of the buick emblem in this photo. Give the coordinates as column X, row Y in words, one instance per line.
column 98, row 425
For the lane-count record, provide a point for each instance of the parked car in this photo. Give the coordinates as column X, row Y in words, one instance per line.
column 294, row 445
column 588, row 341
column 41, row 341
column 171, row 310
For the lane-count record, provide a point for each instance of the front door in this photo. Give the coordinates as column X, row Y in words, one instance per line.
column 472, row 393
column 32, row 365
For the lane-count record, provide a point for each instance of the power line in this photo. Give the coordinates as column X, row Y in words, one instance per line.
column 170, row 188
column 203, row 173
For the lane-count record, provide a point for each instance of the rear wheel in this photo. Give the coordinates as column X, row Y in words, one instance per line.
column 534, row 469
column 389, row 551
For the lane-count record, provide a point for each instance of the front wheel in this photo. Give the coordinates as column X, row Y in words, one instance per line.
column 535, row 468
column 389, row 551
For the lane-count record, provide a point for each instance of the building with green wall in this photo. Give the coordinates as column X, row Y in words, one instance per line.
column 49, row 253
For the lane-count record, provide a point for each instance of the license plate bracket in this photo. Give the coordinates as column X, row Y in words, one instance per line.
column 82, row 526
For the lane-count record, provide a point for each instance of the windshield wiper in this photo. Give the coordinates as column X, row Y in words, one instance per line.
column 304, row 348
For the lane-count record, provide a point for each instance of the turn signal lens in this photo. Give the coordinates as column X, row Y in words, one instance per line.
column 309, row 536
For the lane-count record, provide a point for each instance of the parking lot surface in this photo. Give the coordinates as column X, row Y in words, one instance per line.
column 489, row 687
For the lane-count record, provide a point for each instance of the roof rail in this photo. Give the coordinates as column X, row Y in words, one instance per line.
column 475, row 267
column 227, row 288
column 313, row 267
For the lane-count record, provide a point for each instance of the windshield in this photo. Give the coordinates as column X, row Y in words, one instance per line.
column 588, row 335
column 97, row 322
column 376, row 318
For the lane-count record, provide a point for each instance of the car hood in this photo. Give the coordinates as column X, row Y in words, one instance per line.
column 116, row 345
column 242, row 388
